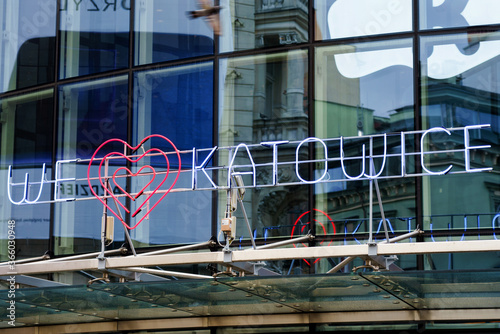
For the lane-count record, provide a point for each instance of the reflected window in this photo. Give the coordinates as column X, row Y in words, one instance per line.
column 175, row 102
column 265, row 98
column 27, row 46
column 90, row 113
column 365, row 89
column 165, row 30
column 26, row 144
column 459, row 82
column 357, row 18
column 26, row 129
column 94, row 37
column 435, row 14
column 460, row 87
column 262, row 23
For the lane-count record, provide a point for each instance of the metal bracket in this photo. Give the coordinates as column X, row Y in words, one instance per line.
column 372, row 249
column 101, row 263
column 228, row 255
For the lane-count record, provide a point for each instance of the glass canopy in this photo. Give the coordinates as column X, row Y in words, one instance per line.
column 249, row 296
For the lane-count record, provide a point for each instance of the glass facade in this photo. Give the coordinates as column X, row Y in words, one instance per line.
column 79, row 79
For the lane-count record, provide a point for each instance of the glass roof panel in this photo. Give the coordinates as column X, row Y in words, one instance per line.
column 365, row 291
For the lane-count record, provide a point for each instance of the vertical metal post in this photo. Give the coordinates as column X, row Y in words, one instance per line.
column 370, row 219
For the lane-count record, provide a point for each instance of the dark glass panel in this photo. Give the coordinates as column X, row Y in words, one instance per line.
column 164, row 30
column 26, row 145
column 264, row 98
column 90, row 113
column 27, row 46
column 175, row 103
column 363, row 91
column 94, row 37
column 460, row 87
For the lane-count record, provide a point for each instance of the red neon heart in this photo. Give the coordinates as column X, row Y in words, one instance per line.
column 128, row 172
column 315, row 221
column 118, row 154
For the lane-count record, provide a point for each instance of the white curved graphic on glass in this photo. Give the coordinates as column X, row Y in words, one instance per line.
column 371, row 17
column 385, row 16
column 360, row 64
column 447, row 61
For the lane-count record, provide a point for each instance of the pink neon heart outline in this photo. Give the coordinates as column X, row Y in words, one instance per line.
column 106, row 190
column 130, row 173
column 133, row 148
column 323, row 226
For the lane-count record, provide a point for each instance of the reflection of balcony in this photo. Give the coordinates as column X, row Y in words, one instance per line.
column 281, row 22
column 290, row 128
column 279, row 4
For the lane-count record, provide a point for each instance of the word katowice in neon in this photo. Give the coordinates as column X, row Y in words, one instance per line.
column 244, row 151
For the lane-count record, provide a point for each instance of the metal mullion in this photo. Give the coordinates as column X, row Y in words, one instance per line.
column 417, row 117
column 130, row 101
column 311, row 122
column 55, row 125
column 215, row 128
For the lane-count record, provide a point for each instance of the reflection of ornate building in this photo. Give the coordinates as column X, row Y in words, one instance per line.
column 270, row 98
column 280, row 22
column 74, row 74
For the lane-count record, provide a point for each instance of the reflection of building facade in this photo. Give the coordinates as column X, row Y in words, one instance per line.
column 77, row 74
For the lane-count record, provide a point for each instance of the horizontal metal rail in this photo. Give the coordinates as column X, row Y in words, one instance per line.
column 255, row 256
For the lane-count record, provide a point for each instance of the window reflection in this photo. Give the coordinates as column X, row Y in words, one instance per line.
column 177, row 103
column 26, row 144
column 264, row 98
column 94, row 36
column 356, row 18
column 262, row 23
column 463, row 90
column 26, row 129
column 365, row 89
column 27, row 46
column 164, row 31
column 437, row 14
column 90, row 113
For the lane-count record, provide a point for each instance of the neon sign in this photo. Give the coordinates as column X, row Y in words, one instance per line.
column 298, row 222
column 104, row 179
column 202, row 173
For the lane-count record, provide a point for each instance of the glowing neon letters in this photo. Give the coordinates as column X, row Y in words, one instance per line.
column 230, row 164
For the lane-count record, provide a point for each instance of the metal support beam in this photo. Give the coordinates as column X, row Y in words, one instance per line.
column 259, row 255
column 33, row 281
column 205, row 244
column 308, row 237
column 166, row 273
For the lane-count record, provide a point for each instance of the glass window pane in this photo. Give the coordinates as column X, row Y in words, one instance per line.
column 365, row 89
column 27, row 46
column 177, row 103
column 90, row 113
column 262, row 23
column 94, row 36
column 367, row 86
column 164, row 30
column 357, row 18
column 26, row 129
column 435, row 14
column 265, row 98
column 26, row 145
column 460, row 87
